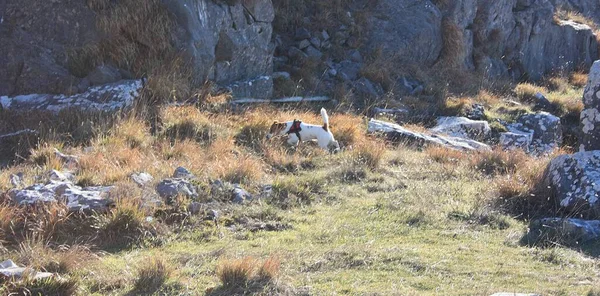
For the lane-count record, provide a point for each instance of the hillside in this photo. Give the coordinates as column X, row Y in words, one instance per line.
column 134, row 157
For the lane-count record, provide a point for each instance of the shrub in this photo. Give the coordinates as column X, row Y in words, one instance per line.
column 236, row 273
column 122, row 225
column 578, row 79
column 498, row 161
column 269, row 270
column 526, row 92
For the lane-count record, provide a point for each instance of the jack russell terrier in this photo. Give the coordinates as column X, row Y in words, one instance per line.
column 298, row 131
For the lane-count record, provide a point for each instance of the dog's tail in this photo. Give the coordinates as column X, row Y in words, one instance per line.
column 325, row 119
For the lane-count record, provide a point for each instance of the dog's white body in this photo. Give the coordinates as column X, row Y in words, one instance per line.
column 309, row 132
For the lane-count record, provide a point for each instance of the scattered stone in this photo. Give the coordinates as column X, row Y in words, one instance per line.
column 281, row 76
column 302, row 33
column 355, row 56
column 259, row 87
column 574, row 180
column 541, row 103
column 313, row 52
column 266, row 191
column 212, row 215
column 304, row 44
column 515, row 140
column 395, row 132
column 324, row 35
column 58, row 176
column 568, row 231
column 316, row 42
column 590, row 116
column 9, row 269
column 104, row 74
column 296, row 54
column 142, row 179
column 348, row 70
column 194, row 208
column 76, row 198
column 477, row 112
column 16, row 180
column 240, row 196
column 169, row 189
column 546, row 131
column 68, row 160
column 182, row 173
column 411, row 86
column 462, row 127
column 353, row 42
column 367, row 89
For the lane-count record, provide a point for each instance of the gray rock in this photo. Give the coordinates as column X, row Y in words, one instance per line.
column 355, row 56
column 462, row 127
column 477, row 112
column 546, row 129
column 410, row 86
column 296, row 54
column 304, row 44
column 324, row 35
column 541, row 103
column 108, row 97
column 313, row 53
column 568, row 231
column 353, row 42
column 574, row 180
column 169, row 189
column 258, row 88
column 281, row 76
column 516, row 140
column 348, row 70
column 142, row 179
column 590, row 116
column 16, row 180
column 104, row 74
column 194, row 208
column 182, row 173
column 240, row 195
column 316, row 42
column 55, row 175
column 367, row 89
column 10, row 270
column 302, row 33
column 397, row 133
column 409, row 30
column 68, row 160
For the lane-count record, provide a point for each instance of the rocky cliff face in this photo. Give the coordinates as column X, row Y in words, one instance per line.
column 224, row 41
column 517, row 38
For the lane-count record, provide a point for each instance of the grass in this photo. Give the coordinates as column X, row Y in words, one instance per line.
column 373, row 218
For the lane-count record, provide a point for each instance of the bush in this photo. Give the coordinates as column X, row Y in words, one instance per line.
column 152, row 275
column 498, row 161
column 526, row 92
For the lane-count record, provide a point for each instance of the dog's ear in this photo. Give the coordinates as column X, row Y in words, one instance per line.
column 275, row 122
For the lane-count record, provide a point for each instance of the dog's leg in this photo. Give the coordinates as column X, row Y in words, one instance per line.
column 293, row 140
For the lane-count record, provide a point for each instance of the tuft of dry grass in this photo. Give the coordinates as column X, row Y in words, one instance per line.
column 347, row 129
column 557, row 84
column 578, row 79
column 445, row 155
column 453, row 49
column 269, row 270
column 124, row 224
column 236, row 272
column 498, row 161
column 369, row 152
column 526, row 92
column 51, row 286
column 152, row 275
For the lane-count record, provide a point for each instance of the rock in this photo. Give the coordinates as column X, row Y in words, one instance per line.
column 183, row 173
column 104, row 74
column 83, row 85
column 142, row 179
column 541, row 103
column 169, row 189
column 515, row 140
column 281, row 76
column 304, row 44
column 296, row 54
column 55, row 175
column 395, row 132
column 348, row 70
column 546, row 131
column 11, row 270
column 16, row 180
column 240, row 196
column 76, row 198
column 313, row 53
column 340, row 37
column 316, row 42
column 302, row 33
column 212, row 215
column 266, row 191
column 407, row 29
column 574, row 180
column 68, row 160
column 367, row 89
column 462, row 127
column 108, row 97
column 194, row 208
column 355, row 56
column 324, row 35
column 567, row 231
column 477, row 112
column 590, row 116
column 410, row 86
column 259, row 88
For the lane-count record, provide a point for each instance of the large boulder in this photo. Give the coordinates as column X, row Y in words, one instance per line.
column 574, row 180
column 406, row 30
column 537, row 133
column 398, row 133
column 590, row 116
column 568, row 231
column 462, row 127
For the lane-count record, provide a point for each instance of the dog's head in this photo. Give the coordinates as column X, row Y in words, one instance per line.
column 277, row 129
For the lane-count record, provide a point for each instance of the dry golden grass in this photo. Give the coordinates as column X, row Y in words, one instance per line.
column 152, row 275
column 269, row 270
column 557, row 84
column 526, row 92
column 347, row 129
column 445, row 155
column 453, row 49
column 578, row 79
column 369, row 152
column 568, row 15
column 236, row 272
column 498, row 161
column 456, row 106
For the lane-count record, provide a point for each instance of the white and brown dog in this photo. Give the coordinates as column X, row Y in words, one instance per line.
column 298, row 131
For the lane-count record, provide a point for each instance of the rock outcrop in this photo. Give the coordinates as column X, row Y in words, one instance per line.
column 536, row 133
column 462, row 127
column 590, row 116
column 574, row 180
column 228, row 42
column 397, row 133
column 568, row 231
